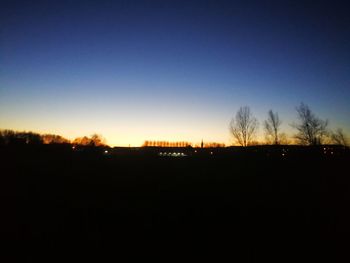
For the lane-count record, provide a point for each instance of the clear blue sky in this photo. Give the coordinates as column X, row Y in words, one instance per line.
column 170, row 70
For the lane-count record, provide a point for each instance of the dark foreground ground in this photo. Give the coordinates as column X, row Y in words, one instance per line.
column 63, row 207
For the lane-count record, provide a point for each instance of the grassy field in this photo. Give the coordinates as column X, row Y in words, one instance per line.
column 243, row 207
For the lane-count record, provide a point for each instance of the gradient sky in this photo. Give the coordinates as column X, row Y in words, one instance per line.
column 170, row 70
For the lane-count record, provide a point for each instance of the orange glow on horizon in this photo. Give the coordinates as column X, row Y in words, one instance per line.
column 125, row 135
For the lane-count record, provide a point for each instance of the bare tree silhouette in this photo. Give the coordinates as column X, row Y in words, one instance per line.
column 94, row 140
column 53, row 138
column 243, row 126
column 20, row 137
column 272, row 127
column 338, row 137
column 214, row 145
column 166, row 144
column 98, row 140
column 7, row 136
column 311, row 130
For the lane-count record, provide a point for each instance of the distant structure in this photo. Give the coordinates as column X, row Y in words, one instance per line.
column 202, row 144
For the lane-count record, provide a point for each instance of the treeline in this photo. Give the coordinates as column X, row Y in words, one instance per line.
column 181, row 144
column 310, row 129
column 166, row 144
column 93, row 140
column 10, row 137
column 212, row 145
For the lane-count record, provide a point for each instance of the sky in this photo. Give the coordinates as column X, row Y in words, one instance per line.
column 170, row 70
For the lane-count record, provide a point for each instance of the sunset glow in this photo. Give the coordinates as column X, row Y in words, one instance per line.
column 168, row 71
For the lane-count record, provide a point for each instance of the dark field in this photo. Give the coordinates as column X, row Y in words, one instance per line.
column 59, row 206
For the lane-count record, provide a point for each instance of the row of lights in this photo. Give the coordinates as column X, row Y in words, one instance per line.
column 172, row 154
